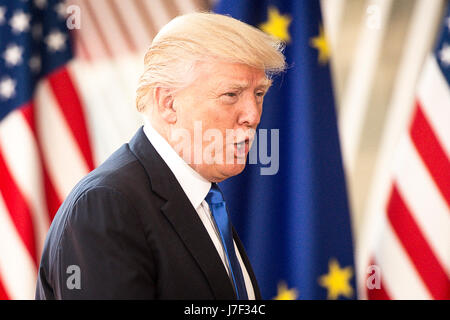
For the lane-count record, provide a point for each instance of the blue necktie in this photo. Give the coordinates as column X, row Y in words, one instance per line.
column 219, row 212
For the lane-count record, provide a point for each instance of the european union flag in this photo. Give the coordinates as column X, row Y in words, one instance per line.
column 294, row 218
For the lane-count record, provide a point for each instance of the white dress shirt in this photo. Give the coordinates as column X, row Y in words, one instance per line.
column 196, row 188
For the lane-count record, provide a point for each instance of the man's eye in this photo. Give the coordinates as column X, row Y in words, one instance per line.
column 229, row 97
column 260, row 95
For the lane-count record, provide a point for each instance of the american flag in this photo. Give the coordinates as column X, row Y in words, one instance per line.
column 412, row 247
column 66, row 102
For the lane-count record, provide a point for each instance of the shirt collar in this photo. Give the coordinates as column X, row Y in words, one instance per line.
column 193, row 184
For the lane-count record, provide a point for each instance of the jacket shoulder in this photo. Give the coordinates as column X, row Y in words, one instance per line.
column 100, row 209
column 122, row 172
column 119, row 179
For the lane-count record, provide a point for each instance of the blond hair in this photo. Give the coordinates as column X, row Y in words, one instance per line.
column 187, row 39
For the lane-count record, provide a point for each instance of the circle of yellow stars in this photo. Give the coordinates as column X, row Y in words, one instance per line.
column 337, row 281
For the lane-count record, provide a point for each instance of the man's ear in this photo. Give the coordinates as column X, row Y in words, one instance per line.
column 163, row 99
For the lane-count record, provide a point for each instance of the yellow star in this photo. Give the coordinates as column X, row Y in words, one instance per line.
column 284, row 293
column 320, row 43
column 337, row 281
column 277, row 25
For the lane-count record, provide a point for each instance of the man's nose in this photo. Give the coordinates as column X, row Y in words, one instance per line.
column 250, row 113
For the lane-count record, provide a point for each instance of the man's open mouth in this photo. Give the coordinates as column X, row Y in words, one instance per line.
column 241, row 148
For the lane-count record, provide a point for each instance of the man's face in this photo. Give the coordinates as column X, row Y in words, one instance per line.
column 221, row 110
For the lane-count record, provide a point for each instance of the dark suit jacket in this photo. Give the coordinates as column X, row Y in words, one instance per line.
column 132, row 232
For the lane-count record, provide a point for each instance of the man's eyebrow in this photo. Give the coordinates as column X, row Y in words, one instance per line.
column 238, row 85
column 233, row 86
column 265, row 84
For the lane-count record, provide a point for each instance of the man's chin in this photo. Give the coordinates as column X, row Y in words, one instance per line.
column 227, row 171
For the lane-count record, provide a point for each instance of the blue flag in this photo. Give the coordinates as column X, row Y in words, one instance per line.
column 292, row 212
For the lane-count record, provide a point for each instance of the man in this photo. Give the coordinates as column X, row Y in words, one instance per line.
column 150, row 222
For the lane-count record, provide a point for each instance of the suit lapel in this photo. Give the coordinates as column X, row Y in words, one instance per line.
column 194, row 235
column 182, row 216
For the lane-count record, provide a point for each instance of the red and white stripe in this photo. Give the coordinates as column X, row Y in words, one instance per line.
column 78, row 116
column 44, row 151
column 412, row 248
column 113, row 28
